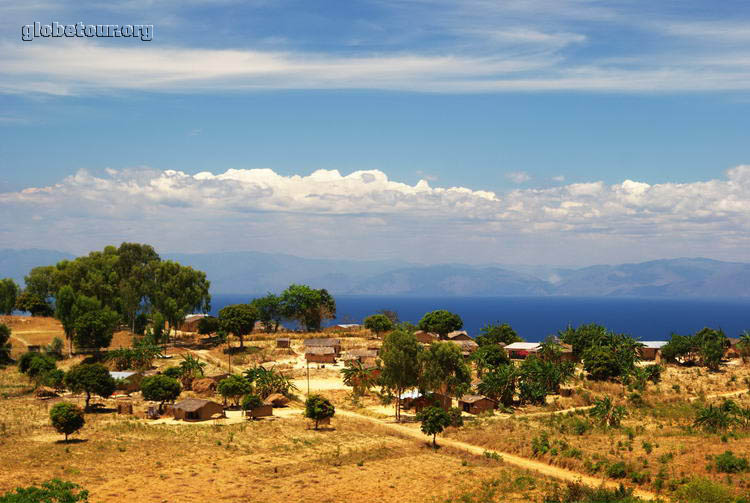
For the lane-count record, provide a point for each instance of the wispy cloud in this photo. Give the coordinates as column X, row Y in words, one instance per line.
column 518, row 176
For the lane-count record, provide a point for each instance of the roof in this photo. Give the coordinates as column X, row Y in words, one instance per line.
column 363, row 353
column 347, row 325
column 457, row 333
column 322, row 342
column 320, row 350
column 284, row 339
column 193, row 317
column 474, row 398
column 410, row 394
column 192, row 404
column 526, row 346
column 121, row 375
column 653, row 344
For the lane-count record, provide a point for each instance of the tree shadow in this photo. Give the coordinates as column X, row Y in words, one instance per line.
column 72, row 441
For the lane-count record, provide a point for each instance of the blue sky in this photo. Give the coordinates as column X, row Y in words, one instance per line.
column 526, row 100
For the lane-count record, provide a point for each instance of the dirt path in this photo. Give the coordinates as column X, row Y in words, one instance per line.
column 518, row 461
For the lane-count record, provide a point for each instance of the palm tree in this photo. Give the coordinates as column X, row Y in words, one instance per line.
column 191, row 367
column 743, row 346
column 607, row 412
column 359, row 377
column 712, row 418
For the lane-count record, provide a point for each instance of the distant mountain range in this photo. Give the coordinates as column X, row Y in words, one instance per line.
column 255, row 272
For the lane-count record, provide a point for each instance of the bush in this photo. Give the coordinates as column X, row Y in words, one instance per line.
column 54, row 491
column 66, row 418
column 617, row 470
column 576, row 492
column 729, row 463
column 55, row 348
column 540, row 444
column 234, row 388
column 90, row 378
column 703, row 491
column 173, row 372
column 54, row 379
column 318, row 408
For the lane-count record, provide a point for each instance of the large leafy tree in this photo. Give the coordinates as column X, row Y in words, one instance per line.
column 497, row 333
column 160, row 388
column 8, row 295
column 179, row 291
column 500, row 384
column 441, row 322
column 400, row 357
column 135, row 268
column 443, row 370
column 583, row 337
column 90, row 378
column 269, row 310
column 488, row 357
column 94, row 329
column 359, row 377
column 308, row 306
column 34, row 304
column 318, row 408
column 65, row 302
column 234, row 387
column 238, row 319
column 378, row 323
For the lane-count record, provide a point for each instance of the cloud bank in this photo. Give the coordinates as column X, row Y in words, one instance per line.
column 367, row 215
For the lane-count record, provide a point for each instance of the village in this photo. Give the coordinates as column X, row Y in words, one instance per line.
column 265, row 381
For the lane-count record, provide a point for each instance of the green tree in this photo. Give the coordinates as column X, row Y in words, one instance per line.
column 500, row 384
column 309, row 307
column 250, row 402
column 5, row 345
column 711, row 345
column 378, row 323
column 8, row 295
column 179, row 291
column 488, row 357
column 269, row 310
column 434, row 420
column 607, row 413
column 269, row 381
column 160, row 388
column 400, row 357
column 35, row 365
column 318, row 408
column 33, row 304
column 134, row 268
column 234, row 388
column 53, row 491
column 41, row 282
column 66, row 418
column 583, row 337
column 443, row 370
column 90, row 378
column 497, row 333
column 238, row 319
column 191, row 367
column 359, row 377
column 441, row 322
column 94, row 329
column 64, row 311
column 743, row 346
column 208, row 325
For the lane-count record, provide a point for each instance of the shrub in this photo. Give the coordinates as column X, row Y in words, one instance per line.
column 90, row 378
column 66, row 418
column 576, row 492
column 318, row 408
column 617, row 470
column 53, row 491
column 173, row 372
column 703, row 491
column 250, row 402
column 540, row 444
column 729, row 463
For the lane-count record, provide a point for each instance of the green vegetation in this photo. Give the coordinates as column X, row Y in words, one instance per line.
column 706, row 347
column 66, row 418
column 5, row 346
column 607, row 413
column 359, row 377
column 318, row 409
column 443, row 370
column 234, row 388
column 441, row 322
column 496, row 333
column 400, row 357
column 378, row 323
column 250, row 402
column 269, row 311
column 269, row 381
column 238, row 319
column 160, row 388
column 433, row 421
column 729, row 463
column 8, row 295
column 90, row 378
column 579, row 493
column 309, row 307
column 53, row 491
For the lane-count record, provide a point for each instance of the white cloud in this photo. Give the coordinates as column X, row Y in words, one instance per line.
column 558, row 178
column 365, row 214
column 518, row 176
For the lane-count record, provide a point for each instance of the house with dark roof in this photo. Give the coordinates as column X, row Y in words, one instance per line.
column 476, row 404
column 320, row 354
column 323, row 343
column 197, row 409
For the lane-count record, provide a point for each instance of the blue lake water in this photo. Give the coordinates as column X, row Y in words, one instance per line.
column 536, row 317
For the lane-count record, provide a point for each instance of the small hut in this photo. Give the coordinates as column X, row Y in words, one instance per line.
column 366, row 357
column 466, row 347
column 320, row 354
column 458, row 335
column 196, row 409
column 283, row 342
column 476, row 404
column 520, row 350
column 651, row 350
column 191, row 323
column 323, row 343
column 426, row 337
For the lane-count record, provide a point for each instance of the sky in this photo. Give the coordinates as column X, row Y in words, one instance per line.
column 556, row 132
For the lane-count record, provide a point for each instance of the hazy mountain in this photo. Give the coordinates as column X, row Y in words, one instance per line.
column 255, row 272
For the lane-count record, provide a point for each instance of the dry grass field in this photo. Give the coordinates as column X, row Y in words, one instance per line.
column 361, row 457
